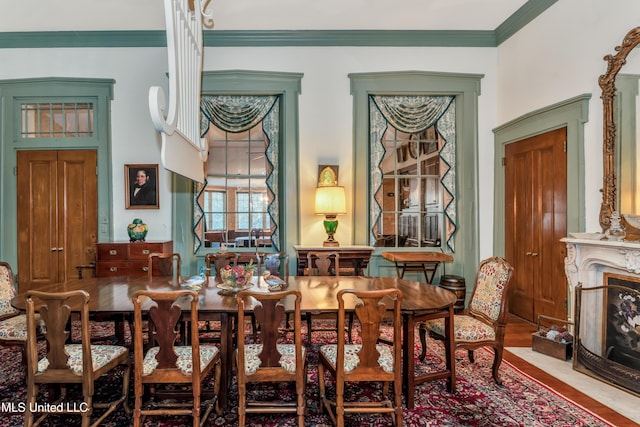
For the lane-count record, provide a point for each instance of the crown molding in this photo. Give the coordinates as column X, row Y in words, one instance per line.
column 520, row 18
column 258, row 38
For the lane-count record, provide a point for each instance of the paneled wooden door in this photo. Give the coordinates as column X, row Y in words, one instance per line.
column 57, row 214
column 535, row 221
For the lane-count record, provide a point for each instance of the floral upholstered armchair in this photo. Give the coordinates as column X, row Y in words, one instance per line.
column 484, row 322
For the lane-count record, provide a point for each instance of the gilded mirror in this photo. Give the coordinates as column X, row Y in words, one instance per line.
column 607, row 83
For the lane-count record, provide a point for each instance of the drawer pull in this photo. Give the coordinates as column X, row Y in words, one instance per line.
column 145, row 251
column 113, row 269
column 113, row 252
column 145, row 269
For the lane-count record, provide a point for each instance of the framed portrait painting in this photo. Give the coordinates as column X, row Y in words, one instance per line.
column 141, row 186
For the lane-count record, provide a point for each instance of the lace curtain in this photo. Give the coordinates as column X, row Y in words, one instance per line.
column 238, row 114
column 415, row 114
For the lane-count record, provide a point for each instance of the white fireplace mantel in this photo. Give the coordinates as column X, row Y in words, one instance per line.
column 588, row 260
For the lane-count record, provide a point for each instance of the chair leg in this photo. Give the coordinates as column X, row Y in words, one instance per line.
column 321, row 386
column 340, row 404
column 308, row 328
column 350, row 327
column 497, row 361
column 470, row 355
column 423, row 341
column 254, row 327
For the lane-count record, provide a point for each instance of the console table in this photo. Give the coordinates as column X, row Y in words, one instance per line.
column 355, row 256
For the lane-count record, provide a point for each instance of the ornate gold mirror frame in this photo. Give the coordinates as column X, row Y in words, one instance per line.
column 607, row 83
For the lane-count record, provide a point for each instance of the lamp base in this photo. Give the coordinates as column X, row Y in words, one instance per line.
column 330, row 226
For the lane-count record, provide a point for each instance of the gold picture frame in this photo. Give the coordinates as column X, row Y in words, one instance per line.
column 327, row 175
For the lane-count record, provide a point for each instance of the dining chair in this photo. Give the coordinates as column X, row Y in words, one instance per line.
column 65, row 363
column 165, row 264
column 484, row 321
column 321, row 263
column 368, row 361
column 269, row 359
column 13, row 324
column 165, row 362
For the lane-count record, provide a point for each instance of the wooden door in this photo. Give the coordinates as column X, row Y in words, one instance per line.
column 57, row 214
column 535, row 221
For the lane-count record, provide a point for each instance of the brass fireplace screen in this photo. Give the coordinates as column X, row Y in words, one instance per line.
column 607, row 331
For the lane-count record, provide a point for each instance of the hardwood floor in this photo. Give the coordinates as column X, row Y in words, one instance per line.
column 519, row 335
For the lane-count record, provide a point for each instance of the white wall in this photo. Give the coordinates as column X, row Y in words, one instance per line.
column 557, row 56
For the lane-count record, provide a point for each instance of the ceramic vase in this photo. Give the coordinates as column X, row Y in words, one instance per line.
column 137, row 230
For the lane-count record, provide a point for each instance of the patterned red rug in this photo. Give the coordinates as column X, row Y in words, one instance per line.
column 478, row 401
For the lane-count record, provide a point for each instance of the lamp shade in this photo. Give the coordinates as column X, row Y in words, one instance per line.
column 330, row 201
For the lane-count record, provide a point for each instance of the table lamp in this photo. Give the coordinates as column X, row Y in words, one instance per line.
column 330, row 202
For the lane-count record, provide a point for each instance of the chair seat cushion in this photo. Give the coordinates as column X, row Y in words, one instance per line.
column 351, row 359
column 466, row 329
column 101, row 355
column 287, row 359
column 15, row 328
column 184, row 362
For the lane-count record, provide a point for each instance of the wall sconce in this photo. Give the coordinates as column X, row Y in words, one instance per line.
column 330, row 202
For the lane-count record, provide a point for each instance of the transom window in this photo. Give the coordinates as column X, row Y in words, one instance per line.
column 56, row 120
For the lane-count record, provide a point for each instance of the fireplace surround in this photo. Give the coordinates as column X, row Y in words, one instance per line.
column 604, row 288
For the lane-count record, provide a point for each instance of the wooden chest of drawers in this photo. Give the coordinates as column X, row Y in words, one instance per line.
column 127, row 259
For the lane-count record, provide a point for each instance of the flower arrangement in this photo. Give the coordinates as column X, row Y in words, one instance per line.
column 237, row 276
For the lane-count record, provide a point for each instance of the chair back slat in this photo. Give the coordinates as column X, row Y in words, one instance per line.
column 321, row 263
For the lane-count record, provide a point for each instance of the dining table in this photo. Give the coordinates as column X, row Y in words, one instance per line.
column 112, row 295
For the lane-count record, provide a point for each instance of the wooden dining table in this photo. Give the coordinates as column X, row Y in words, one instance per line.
column 112, row 295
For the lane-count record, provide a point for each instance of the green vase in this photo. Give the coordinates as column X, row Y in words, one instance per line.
column 137, row 230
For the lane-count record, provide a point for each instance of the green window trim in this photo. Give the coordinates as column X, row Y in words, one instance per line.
column 247, row 82
column 466, row 89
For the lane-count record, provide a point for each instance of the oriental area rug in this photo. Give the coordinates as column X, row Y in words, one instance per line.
column 478, row 401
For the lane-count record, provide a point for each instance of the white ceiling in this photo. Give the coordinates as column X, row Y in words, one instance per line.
column 106, row 15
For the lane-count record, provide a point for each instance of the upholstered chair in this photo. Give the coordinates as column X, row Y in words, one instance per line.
column 484, row 321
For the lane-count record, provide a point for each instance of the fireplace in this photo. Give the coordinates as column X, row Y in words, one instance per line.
column 604, row 281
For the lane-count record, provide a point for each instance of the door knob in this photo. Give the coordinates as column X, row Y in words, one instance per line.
column 528, row 253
